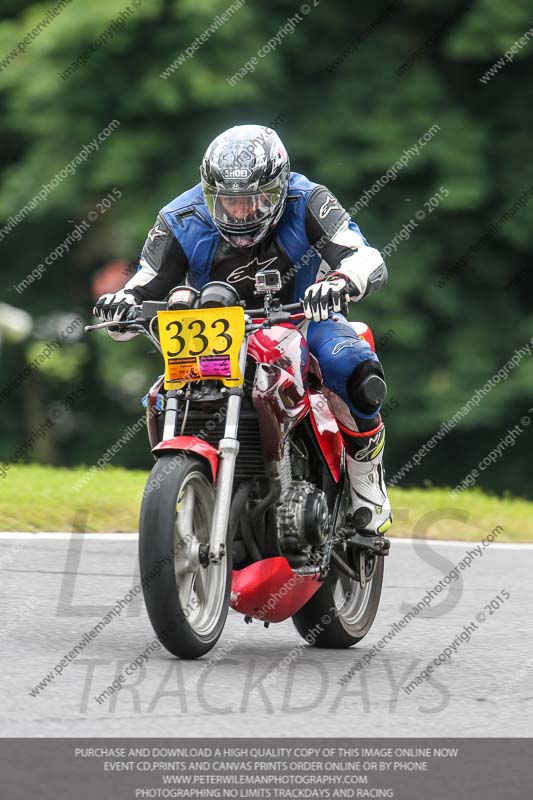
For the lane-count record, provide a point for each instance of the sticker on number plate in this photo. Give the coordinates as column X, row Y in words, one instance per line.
column 201, row 344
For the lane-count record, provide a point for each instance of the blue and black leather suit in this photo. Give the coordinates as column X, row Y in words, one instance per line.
column 314, row 236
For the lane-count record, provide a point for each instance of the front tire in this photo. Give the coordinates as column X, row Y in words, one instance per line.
column 187, row 603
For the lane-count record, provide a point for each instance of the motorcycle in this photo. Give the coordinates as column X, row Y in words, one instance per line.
column 247, row 505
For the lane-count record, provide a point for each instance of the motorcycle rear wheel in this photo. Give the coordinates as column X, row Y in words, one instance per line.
column 187, row 603
column 341, row 613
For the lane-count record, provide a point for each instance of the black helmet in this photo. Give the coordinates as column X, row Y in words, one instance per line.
column 245, row 178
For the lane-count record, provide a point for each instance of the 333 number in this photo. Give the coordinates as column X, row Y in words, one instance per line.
column 203, row 340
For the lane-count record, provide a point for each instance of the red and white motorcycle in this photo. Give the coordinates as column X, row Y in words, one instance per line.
column 247, row 502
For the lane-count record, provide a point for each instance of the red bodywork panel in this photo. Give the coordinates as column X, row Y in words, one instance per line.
column 191, row 444
column 257, row 590
column 327, row 433
column 281, row 344
column 279, row 391
column 364, row 332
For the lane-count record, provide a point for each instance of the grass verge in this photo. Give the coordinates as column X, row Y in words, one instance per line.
column 39, row 498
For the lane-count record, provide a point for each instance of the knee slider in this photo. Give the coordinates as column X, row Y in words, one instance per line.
column 366, row 387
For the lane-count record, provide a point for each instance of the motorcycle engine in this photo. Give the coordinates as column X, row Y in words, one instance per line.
column 303, row 518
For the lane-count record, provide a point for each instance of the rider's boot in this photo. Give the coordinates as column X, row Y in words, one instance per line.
column 364, row 462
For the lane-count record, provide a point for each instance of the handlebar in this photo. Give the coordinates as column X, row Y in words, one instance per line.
column 149, row 308
column 261, row 312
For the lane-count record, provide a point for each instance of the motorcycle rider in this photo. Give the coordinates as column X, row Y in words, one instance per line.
column 248, row 213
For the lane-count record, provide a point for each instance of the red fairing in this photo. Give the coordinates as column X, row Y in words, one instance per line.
column 279, row 391
column 191, row 444
column 364, row 332
column 269, row 590
column 327, row 433
column 284, row 346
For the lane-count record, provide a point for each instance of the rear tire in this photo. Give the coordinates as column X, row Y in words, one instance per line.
column 186, row 602
column 341, row 613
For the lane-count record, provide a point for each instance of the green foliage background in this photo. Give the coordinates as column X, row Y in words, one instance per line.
column 347, row 116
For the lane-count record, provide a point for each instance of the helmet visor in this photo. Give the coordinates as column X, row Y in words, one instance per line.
column 242, row 212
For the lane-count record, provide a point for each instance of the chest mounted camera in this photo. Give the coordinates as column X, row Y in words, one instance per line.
column 268, row 281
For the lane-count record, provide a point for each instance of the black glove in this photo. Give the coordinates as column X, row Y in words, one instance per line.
column 114, row 307
column 326, row 295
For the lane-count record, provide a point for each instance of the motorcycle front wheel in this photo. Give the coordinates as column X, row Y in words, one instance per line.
column 187, row 602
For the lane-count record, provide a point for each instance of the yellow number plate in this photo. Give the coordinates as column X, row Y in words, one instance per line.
column 201, row 344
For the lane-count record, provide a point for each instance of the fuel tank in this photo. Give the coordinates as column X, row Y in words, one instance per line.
column 280, row 388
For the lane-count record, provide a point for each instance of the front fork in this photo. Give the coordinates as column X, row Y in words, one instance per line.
column 228, row 450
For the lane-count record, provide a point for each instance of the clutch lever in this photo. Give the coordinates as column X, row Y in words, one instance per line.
column 132, row 324
column 137, row 319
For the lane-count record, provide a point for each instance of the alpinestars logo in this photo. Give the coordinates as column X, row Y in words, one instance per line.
column 239, row 274
column 343, row 345
column 329, row 205
column 155, row 232
column 373, row 447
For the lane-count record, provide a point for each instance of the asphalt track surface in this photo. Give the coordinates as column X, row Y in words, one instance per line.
column 55, row 587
